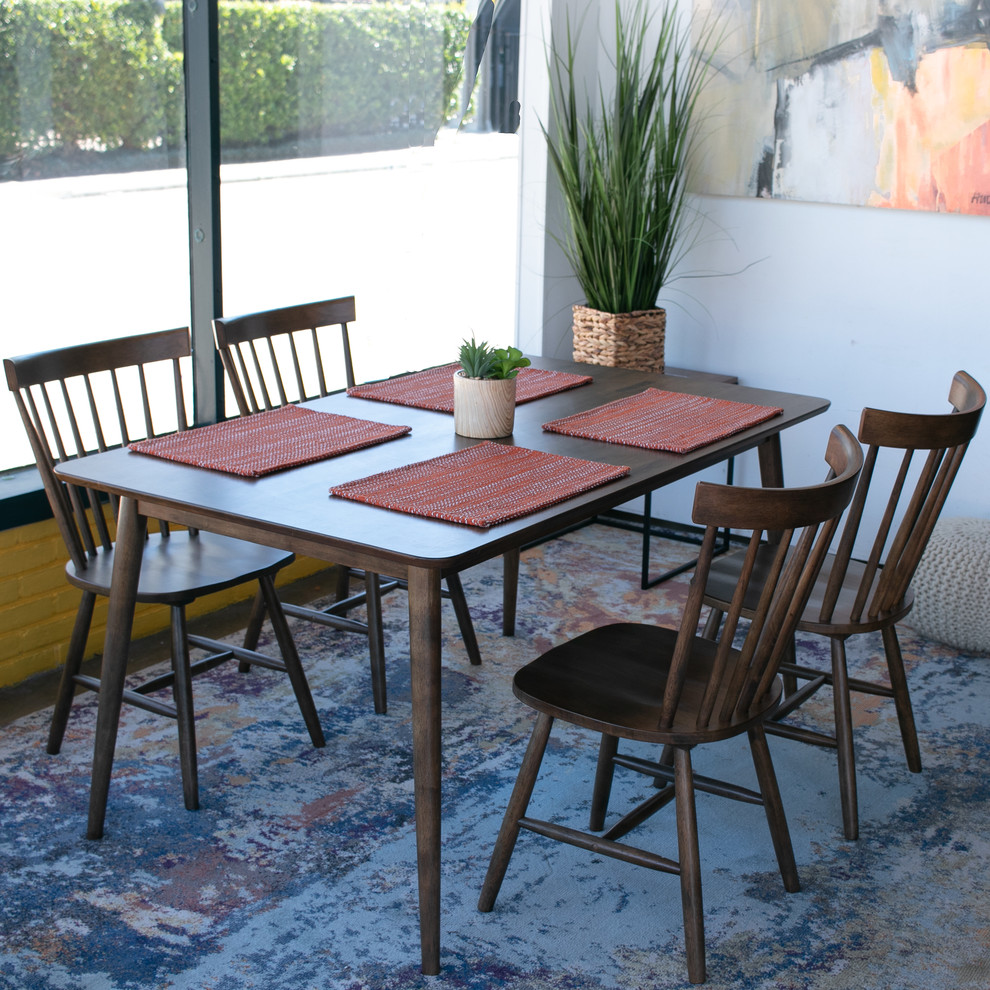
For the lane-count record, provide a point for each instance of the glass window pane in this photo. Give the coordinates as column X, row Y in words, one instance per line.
column 348, row 170
column 92, row 177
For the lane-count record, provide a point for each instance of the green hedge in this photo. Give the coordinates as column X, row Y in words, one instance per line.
column 86, row 74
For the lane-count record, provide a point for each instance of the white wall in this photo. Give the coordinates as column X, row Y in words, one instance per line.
column 863, row 306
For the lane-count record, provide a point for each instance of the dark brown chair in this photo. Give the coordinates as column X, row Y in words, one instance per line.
column 279, row 356
column 676, row 689
column 854, row 596
column 79, row 400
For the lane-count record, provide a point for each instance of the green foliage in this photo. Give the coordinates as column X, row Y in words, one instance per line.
column 621, row 160
column 107, row 74
column 481, row 361
column 477, row 360
column 374, row 69
column 508, row 361
column 106, row 62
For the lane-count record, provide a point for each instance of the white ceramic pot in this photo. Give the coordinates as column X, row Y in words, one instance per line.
column 484, row 408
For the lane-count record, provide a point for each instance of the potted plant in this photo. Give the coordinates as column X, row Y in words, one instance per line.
column 620, row 161
column 485, row 389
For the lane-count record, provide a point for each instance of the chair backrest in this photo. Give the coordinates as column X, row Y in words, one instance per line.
column 941, row 439
column 91, row 397
column 279, row 356
column 806, row 519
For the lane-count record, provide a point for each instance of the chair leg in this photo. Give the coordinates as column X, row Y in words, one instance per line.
column 73, row 661
column 343, row 588
column 690, row 863
column 790, row 680
column 516, row 809
column 290, row 657
column 510, row 591
column 185, row 718
column 712, row 623
column 463, row 614
column 774, row 808
column 603, row 782
column 376, row 640
column 666, row 760
column 902, row 698
column 844, row 739
column 253, row 632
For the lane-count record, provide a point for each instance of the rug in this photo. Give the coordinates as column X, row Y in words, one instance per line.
column 298, row 871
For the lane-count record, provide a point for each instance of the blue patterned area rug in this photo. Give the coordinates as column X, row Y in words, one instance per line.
column 298, row 871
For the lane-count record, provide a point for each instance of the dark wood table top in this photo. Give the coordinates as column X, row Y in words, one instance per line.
column 293, row 508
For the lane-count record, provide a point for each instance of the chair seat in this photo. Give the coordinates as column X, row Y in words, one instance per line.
column 179, row 568
column 612, row 680
column 724, row 577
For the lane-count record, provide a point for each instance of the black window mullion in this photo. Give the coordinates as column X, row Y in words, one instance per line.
column 201, row 61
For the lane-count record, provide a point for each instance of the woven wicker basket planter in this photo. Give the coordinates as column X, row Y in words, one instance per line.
column 620, row 340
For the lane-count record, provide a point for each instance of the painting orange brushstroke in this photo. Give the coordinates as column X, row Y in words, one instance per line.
column 850, row 101
column 934, row 152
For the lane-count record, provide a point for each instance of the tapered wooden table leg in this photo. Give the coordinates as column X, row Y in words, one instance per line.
column 424, row 650
column 771, row 462
column 771, row 470
column 127, row 554
column 510, row 590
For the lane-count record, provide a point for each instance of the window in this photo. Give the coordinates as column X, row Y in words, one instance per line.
column 369, row 187
column 343, row 173
column 92, row 183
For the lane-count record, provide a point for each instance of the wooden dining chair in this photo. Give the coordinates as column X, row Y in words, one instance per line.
column 78, row 400
column 676, row 689
column 277, row 356
column 854, row 596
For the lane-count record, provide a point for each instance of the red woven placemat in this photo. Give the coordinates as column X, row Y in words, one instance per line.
column 481, row 485
column 269, row 441
column 434, row 388
column 661, row 420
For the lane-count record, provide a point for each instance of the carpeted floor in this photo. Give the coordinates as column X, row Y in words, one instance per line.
column 298, row 872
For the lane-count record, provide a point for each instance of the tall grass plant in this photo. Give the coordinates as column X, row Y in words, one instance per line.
column 621, row 158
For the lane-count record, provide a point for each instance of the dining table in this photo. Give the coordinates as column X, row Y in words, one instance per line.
column 293, row 509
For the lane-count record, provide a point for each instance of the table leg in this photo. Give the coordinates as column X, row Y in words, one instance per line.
column 127, row 554
column 771, row 471
column 424, row 657
column 771, row 463
column 510, row 590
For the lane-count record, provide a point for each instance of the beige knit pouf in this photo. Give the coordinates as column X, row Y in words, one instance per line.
column 952, row 586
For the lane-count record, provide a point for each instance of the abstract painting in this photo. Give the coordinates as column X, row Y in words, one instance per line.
column 868, row 102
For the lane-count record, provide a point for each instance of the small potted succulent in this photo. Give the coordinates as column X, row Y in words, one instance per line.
column 485, row 389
